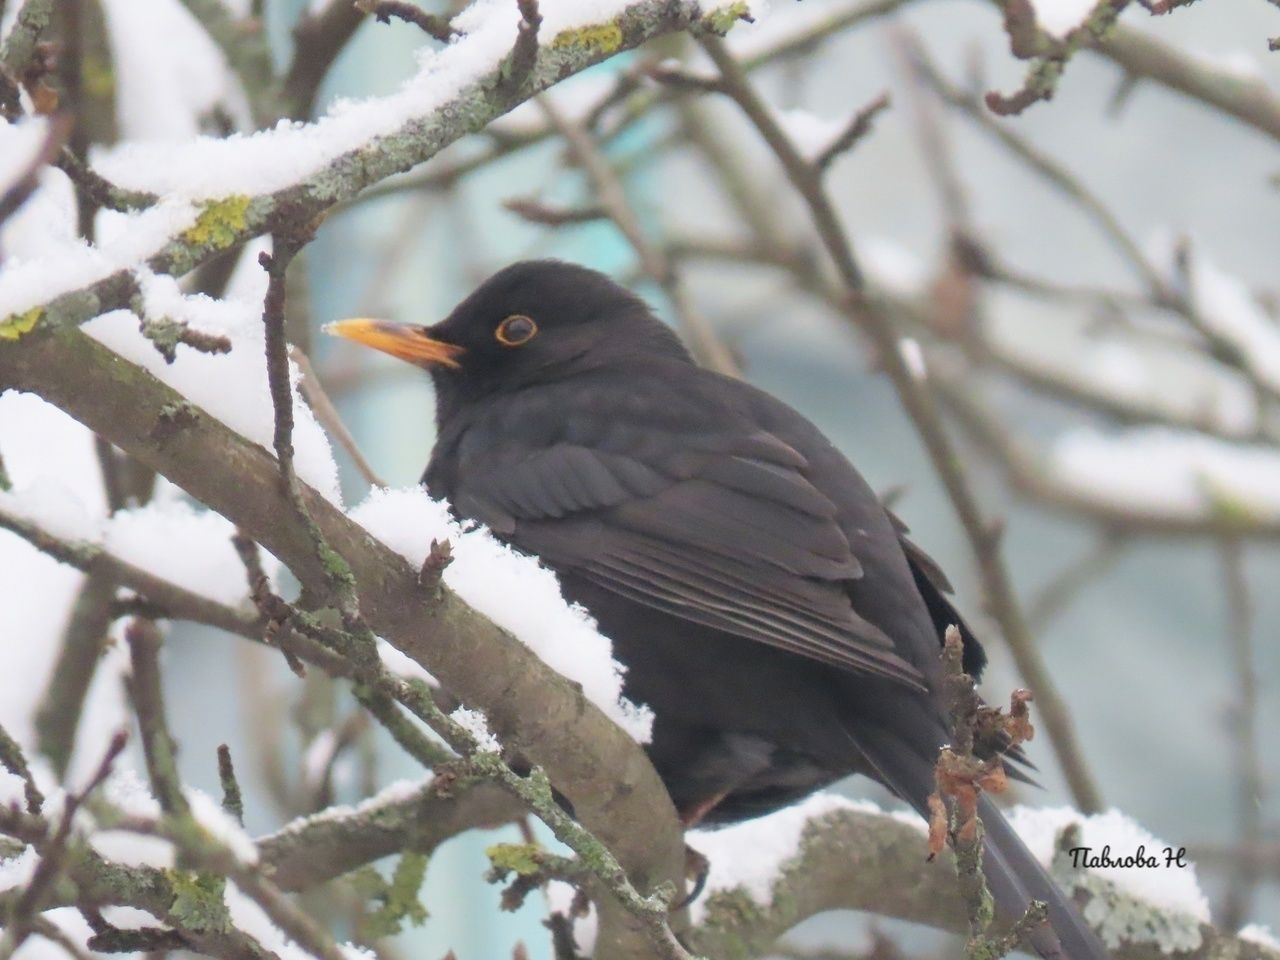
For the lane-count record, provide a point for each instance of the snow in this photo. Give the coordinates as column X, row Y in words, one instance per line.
column 221, row 826
column 40, row 270
column 168, row 72
column 1060, row 17
column 560, row 897
column 20, row 143
column 200, row 168
column 1167, row 383
column 1230, row 310
column 169, row 537
column 1238, row 64
column 809, row 133
column 51, row 462
column 1172, row 888
column 206, row 379
column 250, row 918
column 186, row 546
column 18, row 871
column 752, row 855
column 53, row 508
column 318, row 756
column 129, row 796
column 1167, row 473
column 1260, row 934
column 476, row 724
column 271, row 160
column 128, row 918
column 403, row 665
column 512, row 590
column 232, row 386
column 575, row 99
column 784, row 23
column 73, row 925
column 1157, row 904
column 128, row 793
column 134, row 849
column 1224, row 304
column 913, row 357
column 393, row 793
column 1163, row 904
column 45, row 224
column 892, row 265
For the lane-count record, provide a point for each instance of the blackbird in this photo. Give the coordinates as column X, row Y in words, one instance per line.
column 766, row 605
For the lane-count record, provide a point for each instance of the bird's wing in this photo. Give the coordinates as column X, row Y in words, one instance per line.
column 718, row 528
column 935, row 589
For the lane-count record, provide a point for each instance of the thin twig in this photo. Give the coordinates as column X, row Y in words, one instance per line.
column 528, row 208
column 53, row 856
column 145, row 689
column 962, row 777
column 516, row 68
column 432, row 24
column 21, row 187
column 14, row 760
column 318, row 38
column 314, row 393
column 97, row 189
column 232, row 801
column 859, row 126
column 336, row 573
column 1047, row 167
column 612, row 197
column 984, row 537
column 1243, row 723
column 1056, row 595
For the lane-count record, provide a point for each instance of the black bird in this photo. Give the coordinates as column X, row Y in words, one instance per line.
column 766, row 605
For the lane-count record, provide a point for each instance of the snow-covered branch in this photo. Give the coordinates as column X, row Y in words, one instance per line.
column 219, row 194
column 533, row 710
column 833, row 854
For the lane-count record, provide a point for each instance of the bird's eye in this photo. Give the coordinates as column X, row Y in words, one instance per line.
column 515, row 330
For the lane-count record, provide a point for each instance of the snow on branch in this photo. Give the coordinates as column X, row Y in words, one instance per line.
column 218, row 193
column 831, row 853
column 513, row 590
column 1167, row 474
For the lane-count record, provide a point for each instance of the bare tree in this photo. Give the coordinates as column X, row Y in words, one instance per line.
column 131, row 319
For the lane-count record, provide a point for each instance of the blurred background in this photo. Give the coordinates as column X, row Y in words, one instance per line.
column 1159, row 631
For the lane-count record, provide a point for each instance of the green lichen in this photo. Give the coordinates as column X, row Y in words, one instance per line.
column 398, row 900
column 220, row 223
column 1121, row 919
column 15, row 325
column 198, row 901
column 722, row 19
column 335, row 567
column 165, row 333
column 174, row 418
column 99, row 79
column 523, row 859
column 604, row 37
column 1230, row 510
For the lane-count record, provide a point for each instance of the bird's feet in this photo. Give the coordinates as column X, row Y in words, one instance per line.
column 696, row 868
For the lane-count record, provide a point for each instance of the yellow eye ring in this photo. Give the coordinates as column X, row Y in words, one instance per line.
column 516, row 330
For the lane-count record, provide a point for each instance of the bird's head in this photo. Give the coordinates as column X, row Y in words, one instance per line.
column 534, row 321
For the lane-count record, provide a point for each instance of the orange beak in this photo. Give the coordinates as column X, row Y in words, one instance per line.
column 398, row 339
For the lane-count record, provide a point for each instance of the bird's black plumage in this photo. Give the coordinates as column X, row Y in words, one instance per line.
column 767, row 606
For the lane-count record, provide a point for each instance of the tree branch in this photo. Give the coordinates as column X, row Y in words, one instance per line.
column 613, row 788
column 984, row 537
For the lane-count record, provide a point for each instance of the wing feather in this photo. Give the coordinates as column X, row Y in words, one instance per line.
column 705, row 516
column 738, row 543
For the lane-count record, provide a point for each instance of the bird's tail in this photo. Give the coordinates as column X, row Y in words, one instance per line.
column 1013, row 875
